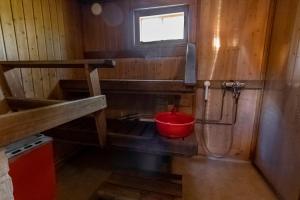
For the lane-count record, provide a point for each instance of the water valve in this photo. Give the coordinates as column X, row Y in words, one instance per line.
column 233, row 84
column 235, row 87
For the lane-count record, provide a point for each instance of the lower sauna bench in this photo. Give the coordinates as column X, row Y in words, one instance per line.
column 125, row 135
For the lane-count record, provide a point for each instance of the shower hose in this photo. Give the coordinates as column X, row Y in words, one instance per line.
column 235, row 96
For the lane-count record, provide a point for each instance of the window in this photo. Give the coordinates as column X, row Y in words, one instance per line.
column 162, row 25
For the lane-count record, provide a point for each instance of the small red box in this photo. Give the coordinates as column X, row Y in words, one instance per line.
column 32, row 169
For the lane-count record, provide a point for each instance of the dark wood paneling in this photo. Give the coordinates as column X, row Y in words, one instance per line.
column 113, row 36
column 278, row 143
column 148, row 69
column 113, row 29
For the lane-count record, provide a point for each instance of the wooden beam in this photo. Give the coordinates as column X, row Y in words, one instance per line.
column 18, row 125
column 3, row 83
column 93, row 80
column 96, row 63
column 15, row 84
column 4, row 91
column 138, row 86
column 10, row 84
column 4, row 108
column 21, row 103
column 95, row 89
column 145, row 53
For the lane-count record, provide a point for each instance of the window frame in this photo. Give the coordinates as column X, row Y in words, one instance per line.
column 144, row 12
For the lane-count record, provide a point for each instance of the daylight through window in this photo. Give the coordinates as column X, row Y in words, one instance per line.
column 162, row 27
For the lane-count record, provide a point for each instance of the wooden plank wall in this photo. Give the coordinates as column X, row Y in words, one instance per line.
column 40, row 30
column 113, row 33
column 231, row 39
column 278, row 145
column 230, row 35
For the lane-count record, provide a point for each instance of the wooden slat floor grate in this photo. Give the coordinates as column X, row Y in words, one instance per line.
column 130, row 186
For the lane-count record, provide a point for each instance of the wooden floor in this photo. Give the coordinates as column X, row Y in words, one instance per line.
column 80, row 177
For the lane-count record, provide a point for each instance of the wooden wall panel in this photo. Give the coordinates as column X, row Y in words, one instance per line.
column 73, row 36
column 10, row 45
column 40, row 30
column 22, row 44
column 152, row 69
column 9, row 35
column 113, row 33
column 231, row 37
column 34, row 53
column 219, row 136
column 278, row 143
column 231, row 42
column 46, row 73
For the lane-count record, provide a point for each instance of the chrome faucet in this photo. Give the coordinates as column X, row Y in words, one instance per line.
column 235, row 87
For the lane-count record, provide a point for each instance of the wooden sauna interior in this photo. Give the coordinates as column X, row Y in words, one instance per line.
column 78, row 72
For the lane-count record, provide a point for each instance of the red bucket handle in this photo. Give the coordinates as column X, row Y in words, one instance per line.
column 174, row 110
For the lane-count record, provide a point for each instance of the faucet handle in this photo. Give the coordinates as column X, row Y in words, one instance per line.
column 233, row 84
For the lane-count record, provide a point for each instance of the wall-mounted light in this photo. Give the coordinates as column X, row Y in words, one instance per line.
column 96, row 8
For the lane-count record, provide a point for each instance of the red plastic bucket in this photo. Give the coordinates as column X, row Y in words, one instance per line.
column 174, row 124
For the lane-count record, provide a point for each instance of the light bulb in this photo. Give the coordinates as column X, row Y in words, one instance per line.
column 96, row 8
